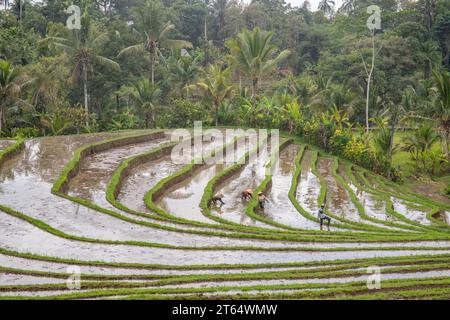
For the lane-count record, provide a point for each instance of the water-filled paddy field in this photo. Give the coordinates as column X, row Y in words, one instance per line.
column 117, row 208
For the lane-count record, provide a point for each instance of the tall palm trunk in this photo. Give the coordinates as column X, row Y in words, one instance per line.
column 391, row 138
column 254, row 87
column 205, row 39
column 2, row 117
column 216, row 105
column 152, row 68
column 20, row 11
column 85, row 91
column 444, row 143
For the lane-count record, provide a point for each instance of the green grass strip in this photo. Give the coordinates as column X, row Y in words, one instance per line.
column 11, row 150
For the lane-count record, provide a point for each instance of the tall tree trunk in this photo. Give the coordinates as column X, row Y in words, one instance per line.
column 427, row 69
column 240, row 83
column 217, row 113
column 2, row 118
column 85, row 91
column 205, row 40
column 369, row 78
column 152, row 68
column 391, row 138
column 254, row 87
column 444, row 143
column 117, row 99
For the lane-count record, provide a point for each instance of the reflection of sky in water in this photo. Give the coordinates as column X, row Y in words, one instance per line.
column 250, row 177
column 24, row 237
column 36, row 200
column 280, row 208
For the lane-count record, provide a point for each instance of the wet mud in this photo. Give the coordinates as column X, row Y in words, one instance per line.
column 5, row 144
column 249, row 177
column 279, row 207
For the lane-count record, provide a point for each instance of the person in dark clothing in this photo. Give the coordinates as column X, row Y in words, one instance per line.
column 261, row 199
column 323, row 216
column 217, row 199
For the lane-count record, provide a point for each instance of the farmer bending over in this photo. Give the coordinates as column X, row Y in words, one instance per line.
column 323, row 216
column 247, row 194
column 217, row 199
column 262, row 199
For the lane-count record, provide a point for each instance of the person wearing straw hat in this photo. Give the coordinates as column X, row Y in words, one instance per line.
column 262, row 200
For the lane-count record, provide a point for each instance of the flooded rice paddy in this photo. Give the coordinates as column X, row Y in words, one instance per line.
column 45, row 230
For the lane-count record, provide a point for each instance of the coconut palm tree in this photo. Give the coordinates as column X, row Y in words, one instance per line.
column 326, row 6
column 183, row 71
column 5, row 3
column 219, row 8
column 84, row 47
column 442, row 107
column 419, row 142
column 144, row 96
column 252, row 53
column 150, row 22
column 381, row 141
column 10, row 87
column 430, row 55
column 348, row 6
column 216, row 87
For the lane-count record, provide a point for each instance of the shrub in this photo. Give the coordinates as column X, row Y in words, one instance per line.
column 27, row 132
column 339, row 140
column 125, row 120
column 182, row 113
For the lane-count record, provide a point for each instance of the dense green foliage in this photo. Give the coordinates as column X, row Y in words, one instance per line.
column 154, row 64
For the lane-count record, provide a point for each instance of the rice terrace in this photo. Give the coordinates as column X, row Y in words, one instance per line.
column 137, row 225
column 144, row 158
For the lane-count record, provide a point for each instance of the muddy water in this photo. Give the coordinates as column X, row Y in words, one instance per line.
column 141, row 179
column 5, row 144
column 280, row 208
column 144, row 177
column 384, row 276
column 308, row 188
column 23, row 237
column 38, row 293
column 338, row 200
column 43, row 159
column 183, row 199
column 36, row 265
column 373, row 206
column 250, row 177
column 26, row 188
column 19, row 279
column 97, row 169
column 411, row 213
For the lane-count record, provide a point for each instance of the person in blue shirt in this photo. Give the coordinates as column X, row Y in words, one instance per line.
column 323, row 216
